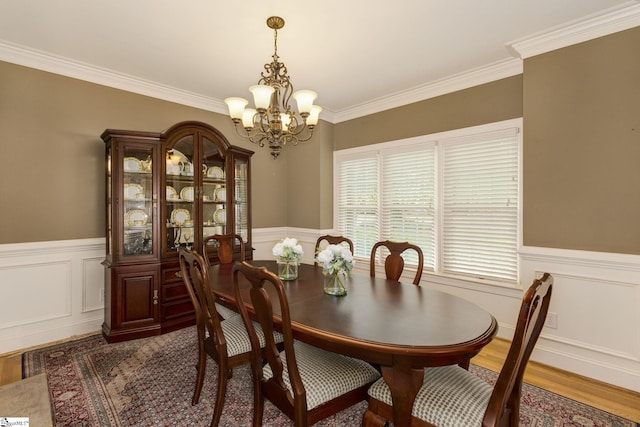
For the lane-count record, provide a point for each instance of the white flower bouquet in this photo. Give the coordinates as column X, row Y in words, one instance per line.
column 289, row 255
column 336, row 260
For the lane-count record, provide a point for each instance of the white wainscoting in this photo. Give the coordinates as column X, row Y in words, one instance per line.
column 596, row 298
column 53, row 290
column 50, row 291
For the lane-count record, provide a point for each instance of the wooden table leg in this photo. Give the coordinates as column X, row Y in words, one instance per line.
column 404, row 383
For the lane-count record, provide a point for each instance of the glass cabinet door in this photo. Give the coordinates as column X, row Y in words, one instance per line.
column 181, row 193
column 137, row 200
column 214, row 190
column 241, row 198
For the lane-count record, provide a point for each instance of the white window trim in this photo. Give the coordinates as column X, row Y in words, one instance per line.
column 432, row 138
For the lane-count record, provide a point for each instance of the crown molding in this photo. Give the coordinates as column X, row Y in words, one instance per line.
column 477, row 76
column 44, row 61
column 614, row 20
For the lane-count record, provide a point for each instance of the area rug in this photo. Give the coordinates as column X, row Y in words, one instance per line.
column 150, row 382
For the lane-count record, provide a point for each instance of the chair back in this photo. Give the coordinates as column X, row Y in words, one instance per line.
column 225, row 245
column 332, row 240
column 195, row 274
column 264, row 286
column 505, row 398
column 394, row 263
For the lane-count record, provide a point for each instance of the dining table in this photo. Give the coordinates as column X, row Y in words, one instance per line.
column 400, row 327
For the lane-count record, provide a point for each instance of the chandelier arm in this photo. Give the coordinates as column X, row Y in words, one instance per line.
column 241, row 131
column 295, row 139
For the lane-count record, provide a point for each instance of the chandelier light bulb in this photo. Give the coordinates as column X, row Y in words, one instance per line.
column 312, row 120
column 261, row 96
column 247, row 118
column 236, row 107
column 286, row 121
column 305, row 99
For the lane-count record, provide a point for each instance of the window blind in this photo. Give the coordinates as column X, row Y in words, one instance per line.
column 357, row 201
column 480, row 205
column 408, row 200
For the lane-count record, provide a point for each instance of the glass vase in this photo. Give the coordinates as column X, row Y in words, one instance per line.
column 334, row 284
column 287, row 270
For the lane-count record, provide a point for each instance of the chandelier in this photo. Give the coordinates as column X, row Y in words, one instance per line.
column 273, row 122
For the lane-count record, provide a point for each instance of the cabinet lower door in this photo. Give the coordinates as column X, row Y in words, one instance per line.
column 132, row 309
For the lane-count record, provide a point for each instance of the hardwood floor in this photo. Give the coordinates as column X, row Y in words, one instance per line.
column 624, row 403
column 619, row 401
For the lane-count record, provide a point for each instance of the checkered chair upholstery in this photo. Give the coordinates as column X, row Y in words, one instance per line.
column 225, row 312
column 305, row 382
column 325, row 375
column 450, row 396
column 237, row 336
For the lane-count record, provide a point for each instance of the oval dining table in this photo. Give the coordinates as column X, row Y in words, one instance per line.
column 401, row 327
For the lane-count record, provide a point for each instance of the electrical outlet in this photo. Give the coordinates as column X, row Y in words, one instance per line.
column 552, row 320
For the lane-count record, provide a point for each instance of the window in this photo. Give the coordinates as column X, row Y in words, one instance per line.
column 455, row 194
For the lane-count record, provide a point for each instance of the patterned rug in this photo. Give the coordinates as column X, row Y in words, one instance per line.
column 150, row 382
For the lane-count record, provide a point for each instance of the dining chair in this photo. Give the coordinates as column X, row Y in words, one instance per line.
column 306, row 383
column 225, row 341
column 332, row 240
column 452, row 396
column 224, row 245
column 394, row 263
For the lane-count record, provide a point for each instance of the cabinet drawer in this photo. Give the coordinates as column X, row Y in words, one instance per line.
column 169, row 275
column 177, row 309
column 174, row 291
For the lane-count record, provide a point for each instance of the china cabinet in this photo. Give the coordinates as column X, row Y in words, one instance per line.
column 166, row 190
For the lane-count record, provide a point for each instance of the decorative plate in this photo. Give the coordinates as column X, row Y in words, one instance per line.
column 215, row 172
column 132, row 164
column 172, row 194
column 131, row 192
column 220, row 194
column 220, row 216
column 187, row 194
column 136, row 218
column 179, row 216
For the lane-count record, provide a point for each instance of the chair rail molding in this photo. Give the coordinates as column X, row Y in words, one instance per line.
column 595, row 299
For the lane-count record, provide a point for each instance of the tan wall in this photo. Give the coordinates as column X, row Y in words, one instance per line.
column 581, row 109
column 52, row 157
column 310, row 171
column 582, row 146
column 487, row 103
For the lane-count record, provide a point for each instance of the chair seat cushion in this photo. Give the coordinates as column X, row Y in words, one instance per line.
column 237, row 336
column 450, row 397
column 325, row 375
column 225, row 312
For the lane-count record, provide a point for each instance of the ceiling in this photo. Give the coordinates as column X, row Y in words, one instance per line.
column 354, row 53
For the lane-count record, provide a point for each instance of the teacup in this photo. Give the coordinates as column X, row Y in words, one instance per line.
column 205, row 197
column 138, row 222
column 188, row 223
